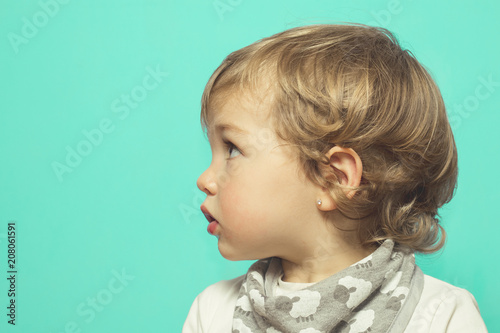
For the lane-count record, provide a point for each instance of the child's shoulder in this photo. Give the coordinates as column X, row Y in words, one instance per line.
column 212, row 310
column 440, row 293
column 224, row 288
column 444, row 307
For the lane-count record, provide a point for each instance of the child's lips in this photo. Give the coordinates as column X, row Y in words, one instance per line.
column 207, row 214
column 212, row 227
column 213, row 223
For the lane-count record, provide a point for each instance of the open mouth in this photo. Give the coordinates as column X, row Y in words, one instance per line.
column 213, row 224
column 207, row 214
column 210, row 218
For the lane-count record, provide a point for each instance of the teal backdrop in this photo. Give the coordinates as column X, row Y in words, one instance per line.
column 101, row 147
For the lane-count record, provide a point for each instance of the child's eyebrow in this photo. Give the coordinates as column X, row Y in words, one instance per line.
column 220, row 128
column 229, row 127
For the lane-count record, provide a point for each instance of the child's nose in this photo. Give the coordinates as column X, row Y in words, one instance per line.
column 206, row 182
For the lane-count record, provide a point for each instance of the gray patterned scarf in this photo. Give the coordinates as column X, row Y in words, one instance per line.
column 368, row 296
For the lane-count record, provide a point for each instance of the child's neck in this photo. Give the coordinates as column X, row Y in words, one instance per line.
column 322, row 265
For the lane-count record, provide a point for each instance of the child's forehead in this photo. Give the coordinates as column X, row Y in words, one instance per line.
column 232, row 111
column 229, row 118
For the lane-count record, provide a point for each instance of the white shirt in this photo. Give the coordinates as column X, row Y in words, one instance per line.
column 442, row 308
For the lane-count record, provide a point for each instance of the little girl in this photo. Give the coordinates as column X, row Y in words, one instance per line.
column 331, row 154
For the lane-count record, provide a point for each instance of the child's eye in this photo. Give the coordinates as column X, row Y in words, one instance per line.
column 230, row 147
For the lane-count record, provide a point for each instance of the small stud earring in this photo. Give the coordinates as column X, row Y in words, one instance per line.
column 319, row 202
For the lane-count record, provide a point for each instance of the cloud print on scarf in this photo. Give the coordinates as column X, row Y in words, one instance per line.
column 352, row 291
column 361, row 321
column 391, row 281
column 301, row 304
column 257, row 298
column 397, row 298
column 244, row 304
column 239, row 327
column 364, row 263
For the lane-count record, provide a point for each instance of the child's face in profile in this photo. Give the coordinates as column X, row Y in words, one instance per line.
column 255, row 190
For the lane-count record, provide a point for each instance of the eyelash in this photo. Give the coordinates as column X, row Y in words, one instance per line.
column 229, row 145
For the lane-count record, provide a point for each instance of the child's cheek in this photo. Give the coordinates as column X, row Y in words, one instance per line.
column 233, row 203
column 240, row 203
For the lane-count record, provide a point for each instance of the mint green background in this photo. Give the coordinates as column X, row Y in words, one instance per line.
column 133, row 203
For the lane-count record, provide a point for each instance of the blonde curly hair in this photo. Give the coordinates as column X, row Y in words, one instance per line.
column 355, row 87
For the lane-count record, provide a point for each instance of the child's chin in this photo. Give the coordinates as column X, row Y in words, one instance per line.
column 232, row 255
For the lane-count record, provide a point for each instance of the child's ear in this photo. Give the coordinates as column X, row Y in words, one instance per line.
column 346, row 166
